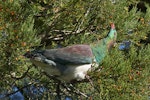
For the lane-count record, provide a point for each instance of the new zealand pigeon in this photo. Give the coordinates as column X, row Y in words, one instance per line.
column 73, row 62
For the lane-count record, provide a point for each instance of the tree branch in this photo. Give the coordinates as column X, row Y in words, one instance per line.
column 17, row 78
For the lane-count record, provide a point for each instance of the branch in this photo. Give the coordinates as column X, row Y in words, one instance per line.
column 24, row 74
column 78, row 92
column 11, row 93
column 64, row 33
column 85, row 15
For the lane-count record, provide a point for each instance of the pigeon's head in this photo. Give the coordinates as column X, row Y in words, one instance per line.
column 113, row 33
column 112, row 36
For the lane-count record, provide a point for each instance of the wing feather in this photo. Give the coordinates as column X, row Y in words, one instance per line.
column 76, row 54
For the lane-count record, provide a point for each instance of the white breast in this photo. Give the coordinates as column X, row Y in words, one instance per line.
column 77, row 72
column 69, row 73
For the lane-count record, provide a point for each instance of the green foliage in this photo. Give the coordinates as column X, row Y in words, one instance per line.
column 25, row 24
column 17, row 37
column 124, row 76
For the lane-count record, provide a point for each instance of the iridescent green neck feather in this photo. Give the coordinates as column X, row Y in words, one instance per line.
column 101, row 48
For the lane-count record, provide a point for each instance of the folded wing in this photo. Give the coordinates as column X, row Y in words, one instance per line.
column 76, row 54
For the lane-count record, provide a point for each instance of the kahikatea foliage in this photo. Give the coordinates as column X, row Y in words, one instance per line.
column 27, row 24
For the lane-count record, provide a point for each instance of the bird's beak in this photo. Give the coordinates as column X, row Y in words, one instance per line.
column 115, row 44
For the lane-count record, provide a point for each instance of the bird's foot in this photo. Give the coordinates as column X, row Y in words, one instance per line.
column 88, row 77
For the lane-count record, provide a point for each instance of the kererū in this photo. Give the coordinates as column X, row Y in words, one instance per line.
column 73, row 62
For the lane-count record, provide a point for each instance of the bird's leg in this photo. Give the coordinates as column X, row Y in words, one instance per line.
column 70, row 88
column 87, row 77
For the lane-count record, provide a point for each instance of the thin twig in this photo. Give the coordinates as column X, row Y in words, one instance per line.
column 11, row 93
column 24, row 74
column 85, row 15
column 76, row 90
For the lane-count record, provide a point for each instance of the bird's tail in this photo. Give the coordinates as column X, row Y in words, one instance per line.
column 33, row 54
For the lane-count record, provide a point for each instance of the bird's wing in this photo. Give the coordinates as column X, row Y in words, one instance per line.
column 76, row 54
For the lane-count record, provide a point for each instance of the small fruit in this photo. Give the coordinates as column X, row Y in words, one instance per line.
column 23, row 44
